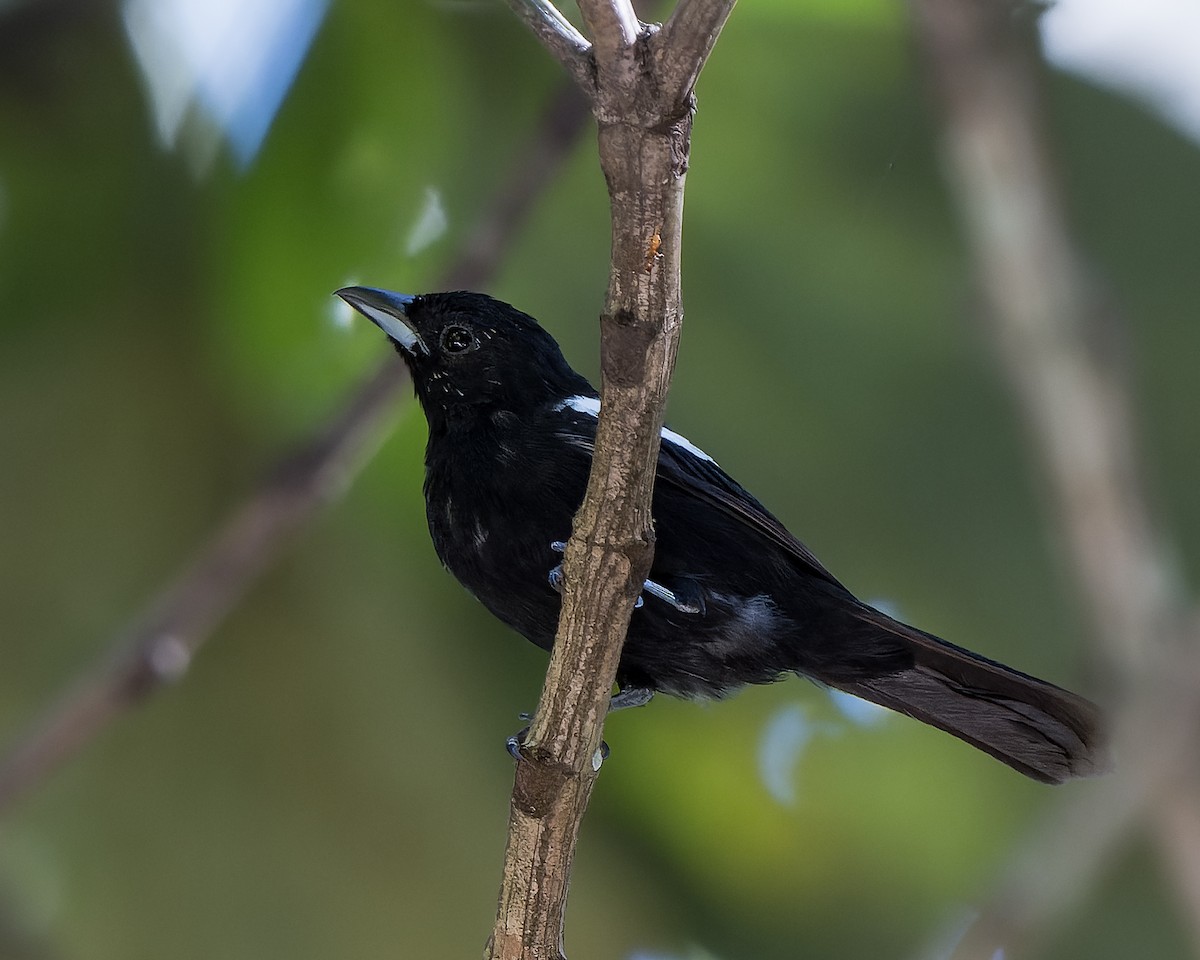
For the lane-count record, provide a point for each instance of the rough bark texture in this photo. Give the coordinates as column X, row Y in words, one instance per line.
column 643, row 105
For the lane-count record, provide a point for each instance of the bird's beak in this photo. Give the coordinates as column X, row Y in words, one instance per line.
column 388, row 311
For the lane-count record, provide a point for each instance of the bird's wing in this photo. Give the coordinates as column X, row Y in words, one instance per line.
column 694, row 473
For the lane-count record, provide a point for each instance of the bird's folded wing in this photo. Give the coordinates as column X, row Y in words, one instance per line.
column 703, row 479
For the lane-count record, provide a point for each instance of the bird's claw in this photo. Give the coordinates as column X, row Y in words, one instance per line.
column 555, row 577
column 514, row 743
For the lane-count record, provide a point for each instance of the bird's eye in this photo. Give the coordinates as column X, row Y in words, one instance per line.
column 456, row 339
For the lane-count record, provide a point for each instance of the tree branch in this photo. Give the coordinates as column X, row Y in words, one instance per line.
column 614, row 28
column 1058, row 340
column 158, row 646
column 687, row 39
column 558, row 35
column 644, row 140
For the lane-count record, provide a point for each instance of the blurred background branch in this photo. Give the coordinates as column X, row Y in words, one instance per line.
column 1063, row 346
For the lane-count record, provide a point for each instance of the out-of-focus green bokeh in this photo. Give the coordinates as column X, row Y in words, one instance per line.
column 329, row 780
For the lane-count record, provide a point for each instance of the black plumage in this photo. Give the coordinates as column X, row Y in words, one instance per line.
column 733, row 598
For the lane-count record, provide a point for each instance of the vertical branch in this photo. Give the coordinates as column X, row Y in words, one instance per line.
column 1060, row 345
column 644, row 112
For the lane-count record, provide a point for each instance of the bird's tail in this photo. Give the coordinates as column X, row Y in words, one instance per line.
column 1038, row 729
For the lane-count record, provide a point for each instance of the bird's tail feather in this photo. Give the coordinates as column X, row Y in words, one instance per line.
column 1038, row 729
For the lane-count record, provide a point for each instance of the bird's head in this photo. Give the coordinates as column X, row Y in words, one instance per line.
column 468, row 351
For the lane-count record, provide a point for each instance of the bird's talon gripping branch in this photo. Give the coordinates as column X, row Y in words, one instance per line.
column 555, row 578
column 513, row 743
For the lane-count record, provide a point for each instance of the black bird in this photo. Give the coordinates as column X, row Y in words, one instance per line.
column 732, row 598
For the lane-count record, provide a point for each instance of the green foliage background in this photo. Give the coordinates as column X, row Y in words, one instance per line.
column 329, row 780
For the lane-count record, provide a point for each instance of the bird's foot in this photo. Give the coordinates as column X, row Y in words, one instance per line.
column 555, row 576
column 628, row 697
column 514, row 743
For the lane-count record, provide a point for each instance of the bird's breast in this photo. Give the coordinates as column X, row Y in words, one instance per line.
column 493, row 511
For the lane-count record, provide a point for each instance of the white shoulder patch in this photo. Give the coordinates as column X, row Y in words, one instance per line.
column 588, row 405
column 680, row 441
column 591, row 406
